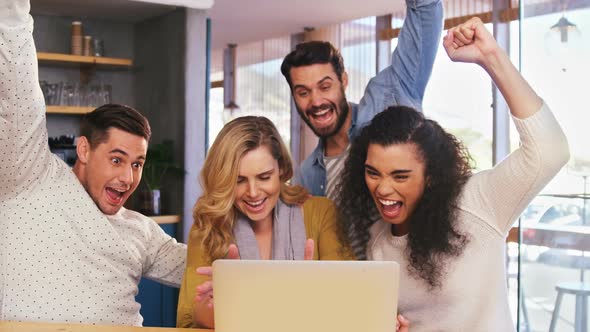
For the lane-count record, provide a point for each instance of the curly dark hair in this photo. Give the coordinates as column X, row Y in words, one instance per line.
column 432, row 235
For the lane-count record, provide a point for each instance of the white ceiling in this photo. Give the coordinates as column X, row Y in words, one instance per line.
column 232, row 21
column 240, row 21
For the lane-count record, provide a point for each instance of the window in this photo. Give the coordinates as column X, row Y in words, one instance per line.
column 554, row 227
column 216, row 101
column 261, row 89
column 359, row 53
column 459, row 97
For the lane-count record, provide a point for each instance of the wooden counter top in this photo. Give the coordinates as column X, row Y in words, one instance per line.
column 60, row 327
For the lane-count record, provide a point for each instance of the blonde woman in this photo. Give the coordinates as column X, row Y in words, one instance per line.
column 248, row 203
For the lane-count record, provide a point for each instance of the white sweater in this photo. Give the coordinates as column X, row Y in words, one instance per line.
column 61, row 258
column 474, row 292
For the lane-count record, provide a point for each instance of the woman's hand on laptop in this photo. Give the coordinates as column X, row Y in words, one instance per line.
column 204, row 292
column 232, row 252
column 308, row 251
column 402, row 325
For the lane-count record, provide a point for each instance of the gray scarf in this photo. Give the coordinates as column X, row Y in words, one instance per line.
column 288, row 234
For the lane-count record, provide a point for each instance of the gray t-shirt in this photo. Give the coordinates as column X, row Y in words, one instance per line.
column 334, row 167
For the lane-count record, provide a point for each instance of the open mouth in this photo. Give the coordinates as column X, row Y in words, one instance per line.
column 255, row 206
column 115, row 195
column 390, row 208
column 322, row 116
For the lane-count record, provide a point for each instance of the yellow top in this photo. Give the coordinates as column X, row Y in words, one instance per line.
column 319, row 216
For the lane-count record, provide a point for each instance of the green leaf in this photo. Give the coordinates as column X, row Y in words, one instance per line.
column 159, row 164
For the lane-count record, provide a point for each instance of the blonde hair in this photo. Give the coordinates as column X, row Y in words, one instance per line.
column 214, row 213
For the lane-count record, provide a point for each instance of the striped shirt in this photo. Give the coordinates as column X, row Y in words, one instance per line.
column 334, row 167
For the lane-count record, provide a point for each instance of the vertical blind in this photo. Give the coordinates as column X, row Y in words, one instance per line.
column 359, row 50
column 260, row 87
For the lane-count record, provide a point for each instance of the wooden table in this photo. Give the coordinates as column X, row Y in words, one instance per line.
column 541, row 234
column 562, row 237
column 6, row 326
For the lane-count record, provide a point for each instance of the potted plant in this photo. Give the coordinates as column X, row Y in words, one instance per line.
column 159, row 164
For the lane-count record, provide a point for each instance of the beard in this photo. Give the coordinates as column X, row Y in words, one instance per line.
column 341, row 112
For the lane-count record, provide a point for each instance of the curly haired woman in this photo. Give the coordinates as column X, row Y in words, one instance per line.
column 408, row 195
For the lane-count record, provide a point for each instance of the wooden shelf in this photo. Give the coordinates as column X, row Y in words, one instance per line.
column 68, row 109
column 170, row 219
column 65, row 59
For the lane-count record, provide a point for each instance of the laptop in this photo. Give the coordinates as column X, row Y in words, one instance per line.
column 305, row 296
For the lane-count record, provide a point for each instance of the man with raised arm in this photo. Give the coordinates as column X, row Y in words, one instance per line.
column 69, row 250
column 317, row 78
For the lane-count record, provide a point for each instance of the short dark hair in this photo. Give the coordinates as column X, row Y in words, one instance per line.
column 311, row 53
column 96, row 124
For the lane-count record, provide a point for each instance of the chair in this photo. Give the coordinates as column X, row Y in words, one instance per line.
column 514, row 237
column 581, row 290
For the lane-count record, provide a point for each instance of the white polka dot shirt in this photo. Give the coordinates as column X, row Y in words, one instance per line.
column 61, row 258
